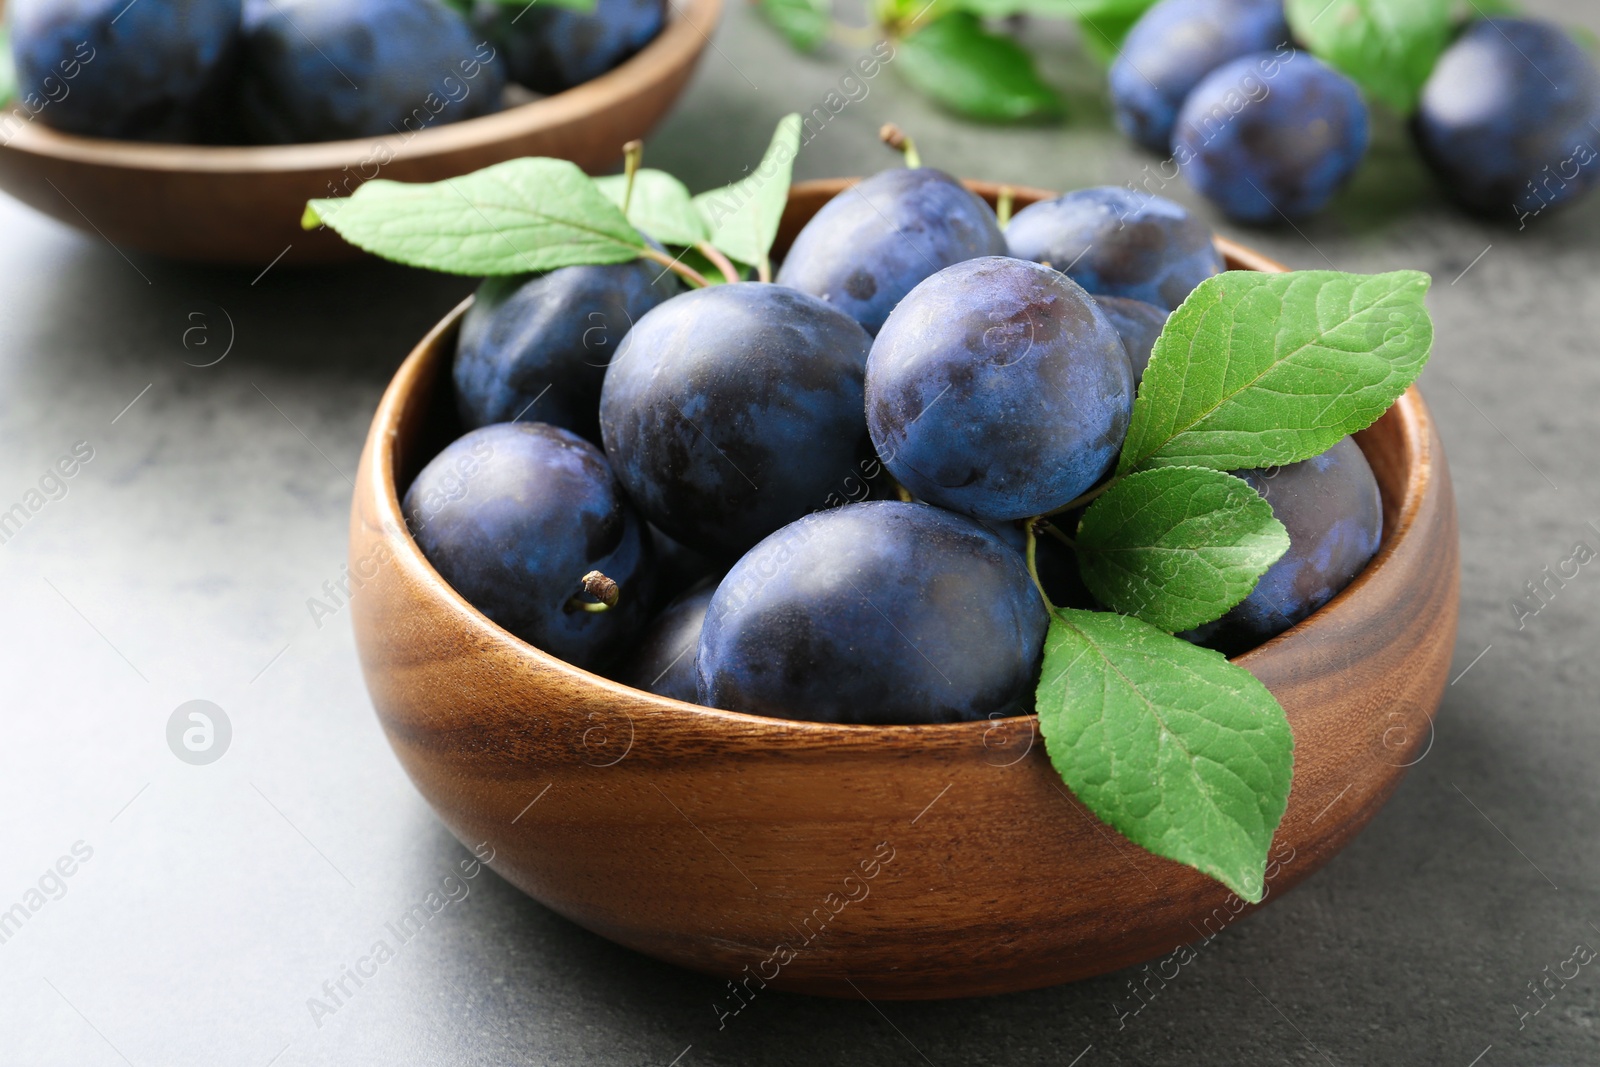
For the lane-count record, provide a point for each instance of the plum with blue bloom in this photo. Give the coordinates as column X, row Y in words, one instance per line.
column 876, row 241
column 999, row 389
column 1116, row 241
column 108, row 68
column 514, row 516
column 1173, row 47
column 1279, row 154
column 880, row 612
column 732, row 410
column 535, row 349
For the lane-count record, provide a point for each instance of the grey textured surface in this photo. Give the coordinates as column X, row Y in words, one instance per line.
column 219, row 898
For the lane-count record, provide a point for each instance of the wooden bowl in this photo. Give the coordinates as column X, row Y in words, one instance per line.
column 889, row 861
column 242, row 205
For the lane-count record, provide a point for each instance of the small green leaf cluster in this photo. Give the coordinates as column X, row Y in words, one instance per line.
column 535, row 214
column 949, row 50
column 1183, row 752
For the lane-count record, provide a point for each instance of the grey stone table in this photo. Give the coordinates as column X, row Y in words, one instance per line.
column 210, row 909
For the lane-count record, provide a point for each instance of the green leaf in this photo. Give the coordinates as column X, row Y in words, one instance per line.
column 805, row 23
column 981, row 75
column 1388, row 47
column 1258, row 370
column 661, row 207
column 1182, row 752
column 8, row 70
column 742, row 217
column 1081, row 10
column 512, row 218
column 1477, row 9
column 1178, row 546
column 1102, row 37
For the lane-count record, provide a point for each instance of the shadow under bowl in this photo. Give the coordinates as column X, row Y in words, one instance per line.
column 902, row 862
column 242, row 205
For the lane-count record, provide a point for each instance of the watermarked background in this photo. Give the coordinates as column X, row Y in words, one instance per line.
column 220, row 897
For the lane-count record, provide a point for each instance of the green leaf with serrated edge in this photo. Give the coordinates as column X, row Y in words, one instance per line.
column 975, row 73
column 1257, row 370
column 804, row 23
column 1177, row 546
column 660, row 206
column 515, row 217
column 1180, row 751
column 743, row 216
column 1388, row 47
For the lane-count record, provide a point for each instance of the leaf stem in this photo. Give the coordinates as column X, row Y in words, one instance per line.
column 632, row 156
column 718, row 260
column 1084, row 499
column 1003, row 205
column 676, row 266
column 854, row 36
column 898, row 139
column 1055, row 531
column 1031, row 554
column 764, row 269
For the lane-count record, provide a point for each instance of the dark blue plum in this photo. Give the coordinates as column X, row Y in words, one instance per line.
column 1176, row 44
column 1138, row 324
column 1331, row 507
column 999, row 389
column 662, row 660
column 1510, row 118
column 873, row 243
column 107, row 68
column 550, row 48
column 1117, row 242
column 1268, row 137
column 733, row 410
column 513, row 516
column 327, row 70
column 535, row 349
column 880, row 612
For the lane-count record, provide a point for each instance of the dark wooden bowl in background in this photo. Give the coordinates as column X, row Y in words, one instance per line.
column 242, row 205
column 710, row 838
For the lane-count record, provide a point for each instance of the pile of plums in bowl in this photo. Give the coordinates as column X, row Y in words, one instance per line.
column 821, row 497
column 716, row 611
column 296, row 71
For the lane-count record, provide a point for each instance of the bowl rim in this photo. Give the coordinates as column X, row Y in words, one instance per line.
column 383, row 450
column 680, row 41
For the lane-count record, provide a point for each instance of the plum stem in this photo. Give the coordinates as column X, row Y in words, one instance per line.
column 632, row 156
column 854, row 36
column 675, row 265
column 718, row 260
column 1080, row 501
column 1004, row 202
column 1055, row 531
column 898, row 139
column 606, row 593
column 764, row 269
column 1031, row 554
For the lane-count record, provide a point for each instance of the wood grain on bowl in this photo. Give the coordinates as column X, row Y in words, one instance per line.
column 885, row 861
column 242, row 205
